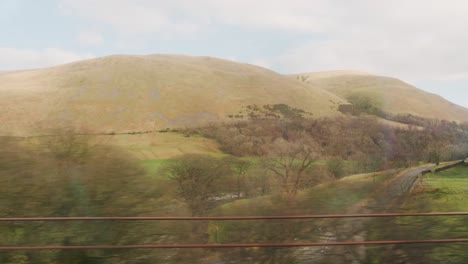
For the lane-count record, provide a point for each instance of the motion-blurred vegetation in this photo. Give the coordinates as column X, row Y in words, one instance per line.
column 269, row 164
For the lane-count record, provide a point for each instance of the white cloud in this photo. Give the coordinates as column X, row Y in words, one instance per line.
column 414, row 40
column 14, row 59
column 186, row 16
column 296, row 15
column 131, row 17
column 89, row 38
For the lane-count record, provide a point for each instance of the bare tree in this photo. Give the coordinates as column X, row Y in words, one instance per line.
column 291, row 161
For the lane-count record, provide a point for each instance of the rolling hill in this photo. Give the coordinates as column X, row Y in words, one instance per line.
column 389, row 94
column 124, row 93
column 140, row 93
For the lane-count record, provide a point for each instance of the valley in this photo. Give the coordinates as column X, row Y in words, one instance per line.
column 172, row 135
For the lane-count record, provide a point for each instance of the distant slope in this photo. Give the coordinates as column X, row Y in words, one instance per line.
column 138, row 93
column 391, row 94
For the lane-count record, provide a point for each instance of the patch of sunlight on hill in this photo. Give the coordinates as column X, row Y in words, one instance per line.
column 159, row 146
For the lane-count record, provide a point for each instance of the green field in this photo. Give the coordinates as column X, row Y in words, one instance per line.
column 443, row 191
column 446, row 191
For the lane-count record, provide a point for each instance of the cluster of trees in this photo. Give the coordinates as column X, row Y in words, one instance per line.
column 297, row 153
column 363, row 104
column 275, row 111
column 370, row 144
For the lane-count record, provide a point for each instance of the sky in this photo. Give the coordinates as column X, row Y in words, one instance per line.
column 422, row 42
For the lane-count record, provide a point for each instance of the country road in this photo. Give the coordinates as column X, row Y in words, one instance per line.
column 385, row 199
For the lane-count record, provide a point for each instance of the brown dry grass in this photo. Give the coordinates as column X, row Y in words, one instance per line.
column 156, row 146
column 391, row 94
column 138, row 93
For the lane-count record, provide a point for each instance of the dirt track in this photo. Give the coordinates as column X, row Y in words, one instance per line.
column 388, row 198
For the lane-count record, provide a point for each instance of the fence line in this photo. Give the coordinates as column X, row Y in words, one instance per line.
column 241, row 245
column 224, row 218
column 318, row 244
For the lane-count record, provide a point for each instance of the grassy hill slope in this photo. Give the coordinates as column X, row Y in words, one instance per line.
column 139, row 93
column 390, row 94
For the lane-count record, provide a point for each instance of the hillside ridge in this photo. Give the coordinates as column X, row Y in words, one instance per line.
column 390, row 94
column 121, row 93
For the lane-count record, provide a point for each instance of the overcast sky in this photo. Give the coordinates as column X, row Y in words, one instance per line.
column 423, row 42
